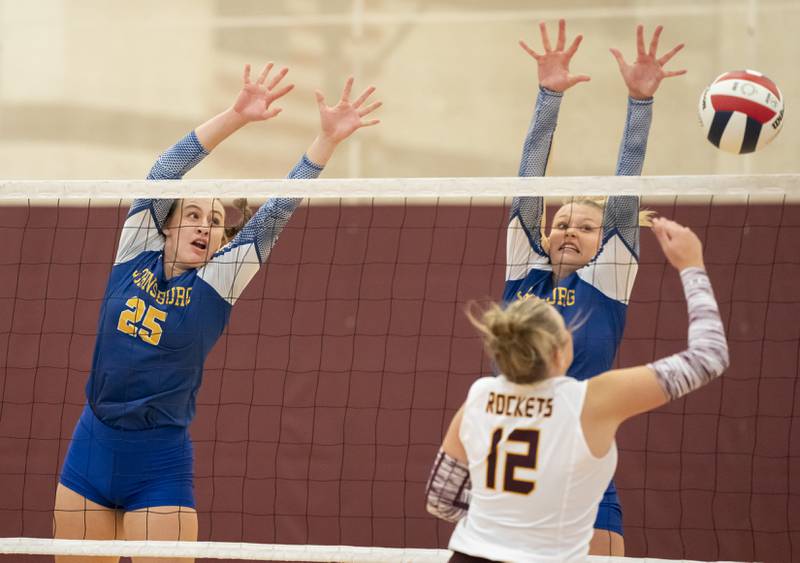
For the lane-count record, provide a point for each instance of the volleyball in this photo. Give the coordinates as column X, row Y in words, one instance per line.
column 741, row 111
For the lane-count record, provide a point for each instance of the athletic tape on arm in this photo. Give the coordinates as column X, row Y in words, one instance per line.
column 448, row 488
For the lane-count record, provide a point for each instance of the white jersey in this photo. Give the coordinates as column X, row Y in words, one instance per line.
column 535, row 484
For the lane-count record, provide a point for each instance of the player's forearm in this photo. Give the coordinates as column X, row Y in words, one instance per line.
column 447, row 493
column 307, row 168
column 218, row 128
column 321, row 150
column 526, row 233
column 264, row 227
column 539, row 139
column 535, row 154
column 267, row 223
column 634, row 137
column 621, row 217
column 707, row 354
column 178, row 159
column 172, row 164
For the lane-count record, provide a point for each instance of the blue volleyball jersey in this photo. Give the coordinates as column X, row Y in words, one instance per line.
column 154, row 333
column 594, row 299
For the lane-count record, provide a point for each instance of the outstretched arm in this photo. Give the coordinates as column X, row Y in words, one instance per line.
column 642, row 79
column 523, row 243
column 615, row 396
column 614, row 270
column 232, row 268
column 554, row 80
column 142, row 229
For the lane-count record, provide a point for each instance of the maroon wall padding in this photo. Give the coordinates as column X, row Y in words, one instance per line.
column 324, row 403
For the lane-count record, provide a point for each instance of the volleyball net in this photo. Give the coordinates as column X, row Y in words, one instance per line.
column 325, row 400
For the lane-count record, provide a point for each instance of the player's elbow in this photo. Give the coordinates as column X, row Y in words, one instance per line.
column 724, row 356
column 447, row 493
column 443, row 510
column 714, row 358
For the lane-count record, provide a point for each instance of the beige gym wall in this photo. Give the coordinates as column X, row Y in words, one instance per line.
column 97, row 88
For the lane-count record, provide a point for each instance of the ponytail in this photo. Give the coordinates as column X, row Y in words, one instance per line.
column 246, row 213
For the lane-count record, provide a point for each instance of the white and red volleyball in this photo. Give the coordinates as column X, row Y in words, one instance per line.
column 741, row 111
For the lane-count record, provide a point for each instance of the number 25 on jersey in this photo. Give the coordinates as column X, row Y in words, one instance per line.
column 140, row 320
column 510, row 483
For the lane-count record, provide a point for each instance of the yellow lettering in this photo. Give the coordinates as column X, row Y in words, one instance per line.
column 146, row 281
column 188, row 295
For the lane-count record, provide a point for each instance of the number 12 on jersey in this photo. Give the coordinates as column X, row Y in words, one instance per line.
column 512, row 461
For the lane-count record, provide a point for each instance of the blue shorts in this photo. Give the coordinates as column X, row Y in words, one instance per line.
column 129, row 469
column 609, row 514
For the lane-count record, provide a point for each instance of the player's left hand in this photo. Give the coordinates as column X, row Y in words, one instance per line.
column 254, row 100
column 646, row 73
column 341, row 120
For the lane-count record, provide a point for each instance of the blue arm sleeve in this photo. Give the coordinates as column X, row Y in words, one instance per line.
column 634, row 138
column 536, row 148
column 535, row 154
column 142, row 230
column 235, row 264
column 268, row 222
column 621, row 215
column 171, row 165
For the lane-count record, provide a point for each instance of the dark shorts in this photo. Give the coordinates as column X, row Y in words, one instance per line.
column 459, row 557
column 129, row 469
column 609, row 513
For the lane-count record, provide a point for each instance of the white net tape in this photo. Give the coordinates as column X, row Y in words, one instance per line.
column 242, row 551
column 738, row 187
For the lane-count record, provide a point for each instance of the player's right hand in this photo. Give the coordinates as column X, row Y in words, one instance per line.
column 254, row 100
column 554, row 63
column 680, row 244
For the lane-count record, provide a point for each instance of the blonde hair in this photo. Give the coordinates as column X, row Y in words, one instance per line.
column 597, row 202
column 521, row 338
column 246, row 212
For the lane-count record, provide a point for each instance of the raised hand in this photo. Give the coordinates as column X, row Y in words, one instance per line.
column 554, row 63
column 254, row 101
column 646, row 73
column 680, row 245
column 340, row 121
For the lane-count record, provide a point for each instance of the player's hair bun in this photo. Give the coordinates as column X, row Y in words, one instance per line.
column 521, row 338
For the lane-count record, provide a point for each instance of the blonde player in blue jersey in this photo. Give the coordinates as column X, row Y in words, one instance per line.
column 176, row 275
column 587, row 265
column 527, row 458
